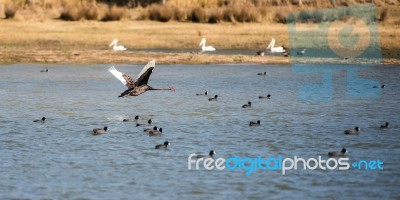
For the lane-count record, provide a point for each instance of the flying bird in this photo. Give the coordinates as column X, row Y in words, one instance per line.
column 138, row 87
column 117, row 47
column 205, row 48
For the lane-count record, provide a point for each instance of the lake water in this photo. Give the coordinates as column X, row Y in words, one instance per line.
column 60, row 159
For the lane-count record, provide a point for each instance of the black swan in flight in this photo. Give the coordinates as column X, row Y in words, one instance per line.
column 138, row 87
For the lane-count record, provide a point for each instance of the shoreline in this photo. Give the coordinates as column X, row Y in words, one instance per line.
column 111, row 57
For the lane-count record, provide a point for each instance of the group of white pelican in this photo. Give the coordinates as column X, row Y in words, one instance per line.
column 271, row 48
column 204, row 48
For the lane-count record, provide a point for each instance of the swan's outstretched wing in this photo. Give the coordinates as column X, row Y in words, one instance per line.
column 144, row 75
column 125, row 79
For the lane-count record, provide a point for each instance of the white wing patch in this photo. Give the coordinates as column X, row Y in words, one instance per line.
column 117, row 74
column 150, row 64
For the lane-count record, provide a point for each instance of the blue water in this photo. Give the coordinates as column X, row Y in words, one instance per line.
column 60, row 159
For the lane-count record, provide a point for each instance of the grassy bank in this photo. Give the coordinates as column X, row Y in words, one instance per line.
column 87, row 41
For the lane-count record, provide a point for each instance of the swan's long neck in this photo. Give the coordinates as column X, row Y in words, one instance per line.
column 170, row 88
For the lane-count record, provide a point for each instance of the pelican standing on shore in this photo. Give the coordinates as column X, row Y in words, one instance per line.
column 280, row 49
column 117, row 47
column 205, row 48
column 138, row 87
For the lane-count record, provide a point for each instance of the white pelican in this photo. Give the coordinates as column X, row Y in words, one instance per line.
column 273, row 49
column 205, row 48
column 117, row 47
column 138, row 87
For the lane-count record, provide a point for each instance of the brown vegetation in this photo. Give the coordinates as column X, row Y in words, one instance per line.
column 199, row 11
column 113, row 13
column 161, row 13
column 72, row 13
column 9, row 10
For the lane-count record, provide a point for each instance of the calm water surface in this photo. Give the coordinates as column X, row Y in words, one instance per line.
column 60, row 159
